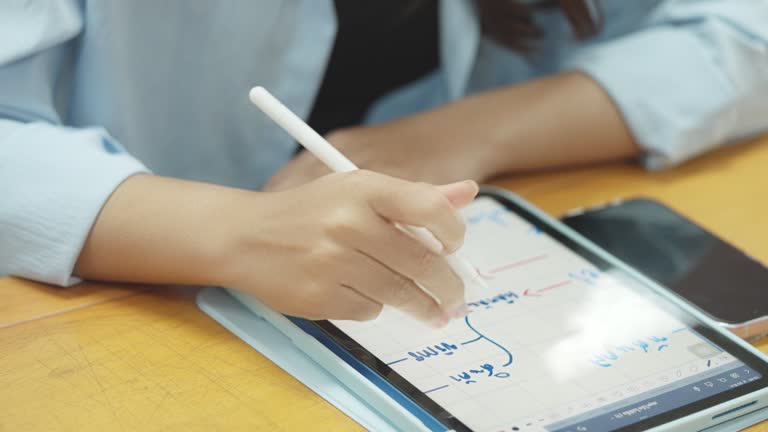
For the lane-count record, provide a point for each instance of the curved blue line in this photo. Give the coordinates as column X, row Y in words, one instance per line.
column 473, row 340
column 509, row 354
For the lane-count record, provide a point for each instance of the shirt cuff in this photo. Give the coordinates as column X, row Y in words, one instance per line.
column 55, row 181
column 671, row 88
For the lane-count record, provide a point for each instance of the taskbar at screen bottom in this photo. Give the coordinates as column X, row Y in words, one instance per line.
column 650, row 404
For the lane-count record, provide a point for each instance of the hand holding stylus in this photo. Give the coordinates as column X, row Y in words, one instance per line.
column 426, row 233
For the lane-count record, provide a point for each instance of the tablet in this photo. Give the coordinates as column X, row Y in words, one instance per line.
column 566, row 338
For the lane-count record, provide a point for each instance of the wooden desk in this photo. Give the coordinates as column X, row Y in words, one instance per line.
column 100, row 357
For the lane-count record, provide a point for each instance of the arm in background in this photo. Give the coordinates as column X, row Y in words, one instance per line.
column 687, row 78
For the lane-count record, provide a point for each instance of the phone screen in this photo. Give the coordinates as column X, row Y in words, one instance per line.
column 708, row 272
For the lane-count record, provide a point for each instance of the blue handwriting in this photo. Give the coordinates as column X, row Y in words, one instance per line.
column 433, row 351
column 486, row 370
column 588, row 276
column 505, row 298
column 650, row 344
column 496, row 216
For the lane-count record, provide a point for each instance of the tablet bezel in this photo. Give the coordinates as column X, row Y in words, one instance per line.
column 427, row 409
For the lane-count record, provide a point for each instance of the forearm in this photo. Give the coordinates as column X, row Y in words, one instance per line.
column 562, row 120
column 161, row 230
column 322, row 251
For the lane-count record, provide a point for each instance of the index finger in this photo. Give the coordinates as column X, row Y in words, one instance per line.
column 420, row 205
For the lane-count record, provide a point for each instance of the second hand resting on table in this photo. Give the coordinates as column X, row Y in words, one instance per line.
column 563, row 120
column 327, row 249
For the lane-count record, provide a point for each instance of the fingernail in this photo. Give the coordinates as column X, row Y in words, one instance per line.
column 471, row 184
column 460, row 312
column 447, row 316
column 441, row 321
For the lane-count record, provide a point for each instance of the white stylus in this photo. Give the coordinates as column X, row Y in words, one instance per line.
column 323, row 150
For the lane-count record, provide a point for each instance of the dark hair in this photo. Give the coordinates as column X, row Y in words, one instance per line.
column 512, row 24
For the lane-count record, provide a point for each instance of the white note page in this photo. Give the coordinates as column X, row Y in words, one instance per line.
column 552, row 337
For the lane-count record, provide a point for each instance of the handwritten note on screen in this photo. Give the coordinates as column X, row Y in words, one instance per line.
column 553, row 337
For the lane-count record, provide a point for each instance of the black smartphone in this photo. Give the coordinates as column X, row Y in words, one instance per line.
column 721, row 280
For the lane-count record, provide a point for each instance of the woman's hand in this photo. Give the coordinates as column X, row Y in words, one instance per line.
column 562, row 120
column 410, row 149
column 330, row 249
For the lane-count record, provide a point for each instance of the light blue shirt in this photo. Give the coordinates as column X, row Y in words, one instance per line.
column 94, row 91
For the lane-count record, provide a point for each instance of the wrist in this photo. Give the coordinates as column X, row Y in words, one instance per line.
column 231, row 227
column 159, row 230
column 247, row 244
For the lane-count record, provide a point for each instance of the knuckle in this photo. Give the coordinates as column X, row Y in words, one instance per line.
column 359, row 184
column 315, row 298
column 325, row 256
column 430, row 309
column 432, row 200
column 368, row 312
column 345, row 223
column 426, row 261
column 401, row 291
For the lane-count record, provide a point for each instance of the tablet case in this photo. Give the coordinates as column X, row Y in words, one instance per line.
column 274, row 345
column 277, row 347
column 251, row 320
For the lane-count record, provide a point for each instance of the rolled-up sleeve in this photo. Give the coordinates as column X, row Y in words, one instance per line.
column 693, row 77
column 54, row 179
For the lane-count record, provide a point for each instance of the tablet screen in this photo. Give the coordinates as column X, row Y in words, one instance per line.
column 560, row 341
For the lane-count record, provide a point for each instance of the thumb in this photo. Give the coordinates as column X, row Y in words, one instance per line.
column 460, row 193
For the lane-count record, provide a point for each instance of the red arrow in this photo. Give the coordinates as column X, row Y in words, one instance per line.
column 538, row 292
column 517, row 264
